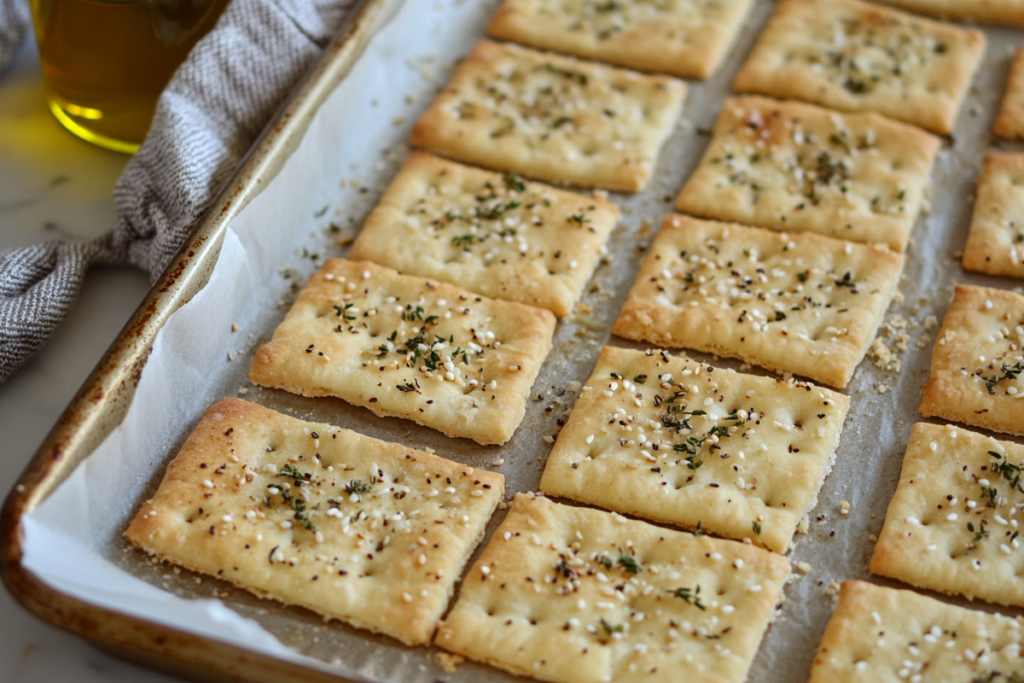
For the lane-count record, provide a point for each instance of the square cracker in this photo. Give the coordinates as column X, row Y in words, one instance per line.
column 407, row 347
column 798, row 303
column 952, row 524
column 352, row 528
column 883, row 635
column 995, row 244
column 572, row 594
column 858, row 56
column 496, row 235
column 687, row 38
column 797, row 167
column 1003, row 12
column 633, row 445
column 551, row 117
column 978, row 362
column 1010, row 122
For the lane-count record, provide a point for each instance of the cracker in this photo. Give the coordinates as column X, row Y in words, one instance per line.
column 995, row 244
column 952, row 524
column 496, row 235
column 572, row 594
column 350, row 527
column 407, row 347
column 797, row 167
column 858, row 56
column 552, row 118
column 688, row 38
column 798, row 303
column 748, row 465
column 978, row 362
column 882, row 635
column 1004, row 12
column 1010, row 122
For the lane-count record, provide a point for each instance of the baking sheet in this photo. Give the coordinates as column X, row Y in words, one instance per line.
column 314, row 206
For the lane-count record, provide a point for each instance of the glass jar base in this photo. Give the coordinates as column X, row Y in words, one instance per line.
column 79, row 129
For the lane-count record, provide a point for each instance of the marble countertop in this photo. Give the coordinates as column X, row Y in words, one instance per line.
column 54, row 186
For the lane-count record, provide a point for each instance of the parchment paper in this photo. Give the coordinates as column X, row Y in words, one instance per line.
column 312, row 208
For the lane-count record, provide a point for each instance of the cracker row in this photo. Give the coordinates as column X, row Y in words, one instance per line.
column 797, row 303
column 952, row 525
column 551, row 117
column 350, row 527
column 574, row 595
column 995, row 244
column 800, row 168
column 678, row 441
column 687, row 38
column 408, row 347
column 882, row 635
column 859, row 56
column 497, row 235
column 977, row 374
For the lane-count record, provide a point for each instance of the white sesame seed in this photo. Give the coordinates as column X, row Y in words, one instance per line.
column 207, row 483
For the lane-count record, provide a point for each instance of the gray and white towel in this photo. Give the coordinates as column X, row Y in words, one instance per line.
column 210, row 114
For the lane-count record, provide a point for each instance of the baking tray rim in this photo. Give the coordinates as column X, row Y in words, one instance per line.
column 101, row 403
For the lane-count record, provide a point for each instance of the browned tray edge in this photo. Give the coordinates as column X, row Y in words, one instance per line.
column 101, row 403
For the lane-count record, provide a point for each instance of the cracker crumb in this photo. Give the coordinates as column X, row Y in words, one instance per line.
column 832, row 589
column 448, row 661
column 873, row 538
column 844, row 508
column 234, row 327
column 803, row 567
column 884, row 357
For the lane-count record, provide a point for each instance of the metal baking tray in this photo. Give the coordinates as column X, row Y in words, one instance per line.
column 884, row 402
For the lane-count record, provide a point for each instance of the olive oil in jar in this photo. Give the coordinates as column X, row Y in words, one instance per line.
column 105, row 62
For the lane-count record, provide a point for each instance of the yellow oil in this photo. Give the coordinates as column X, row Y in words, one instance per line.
column 105, row 62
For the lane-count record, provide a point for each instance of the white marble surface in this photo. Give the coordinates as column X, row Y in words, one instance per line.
column 54, row 186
